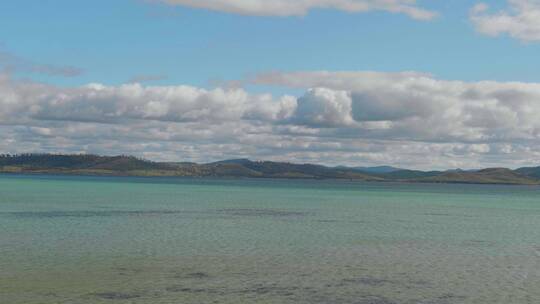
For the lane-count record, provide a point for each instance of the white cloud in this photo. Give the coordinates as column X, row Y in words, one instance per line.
column 417, row 107
column 301, row 7
column 356, row 118
column 324, row 107
column 106, row 104
column 521, row 20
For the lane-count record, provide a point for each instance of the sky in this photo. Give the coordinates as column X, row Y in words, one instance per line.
column 425, row 84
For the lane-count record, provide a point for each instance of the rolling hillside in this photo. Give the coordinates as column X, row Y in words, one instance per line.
column 245, row 168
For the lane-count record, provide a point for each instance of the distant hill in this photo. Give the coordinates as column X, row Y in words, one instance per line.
column 378, row 170
column 485, row 176
column 532, row 172
column 240, row 161
column 289, row 170
column 408, row 175
column 73, row 164
column 245, row 168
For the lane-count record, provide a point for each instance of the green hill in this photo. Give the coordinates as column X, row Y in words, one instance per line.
column 245, row 168
column 532, row 172
column 485, row 176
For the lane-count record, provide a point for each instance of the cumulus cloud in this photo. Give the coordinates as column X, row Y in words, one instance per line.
column 117, row 104
column 324, row 107
column 356, row 118
column 521, row 20
column 301, row 7
column 416, row 106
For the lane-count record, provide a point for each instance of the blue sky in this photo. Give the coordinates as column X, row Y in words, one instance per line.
column 114, row 41
column 354, row 82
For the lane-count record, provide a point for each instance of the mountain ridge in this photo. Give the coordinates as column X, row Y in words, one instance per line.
column 124, row 165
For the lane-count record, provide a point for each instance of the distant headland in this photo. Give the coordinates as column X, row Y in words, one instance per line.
column 84, row 164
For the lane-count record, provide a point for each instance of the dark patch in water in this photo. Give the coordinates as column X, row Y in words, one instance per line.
column 446, row 298
column 439, row 214
column 451, row 297
column 327, row 221
column 274, row 290
column 179, row 288
column 357, row 222
column 257, row 289
column 374, row 300
column 127, row 271
column 117, row 295
column 116, row 213
column 477, row 243
column 367, row 281
column 85, row 214
column 261, row 289
column 193, row 275
column 448, row 214
column 360, row 298
column 148, row 213
column 261, row 212
column 403, row 221
column 198, row 275
column 420, row 283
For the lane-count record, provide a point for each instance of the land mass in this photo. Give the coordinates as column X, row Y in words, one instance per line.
column 245, row 168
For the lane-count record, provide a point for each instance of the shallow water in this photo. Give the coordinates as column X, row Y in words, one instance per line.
column 167, row 240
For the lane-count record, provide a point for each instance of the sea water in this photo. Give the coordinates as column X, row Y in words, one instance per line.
column 174, row 240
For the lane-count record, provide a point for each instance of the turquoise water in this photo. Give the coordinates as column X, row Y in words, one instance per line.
column 160, row 240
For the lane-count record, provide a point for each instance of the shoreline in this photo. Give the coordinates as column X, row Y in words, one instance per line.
column 269, row 178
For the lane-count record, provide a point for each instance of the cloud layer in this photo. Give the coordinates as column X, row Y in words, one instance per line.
column 301, row 7
column 416, row 106
column 521, row 20
column 355, row 118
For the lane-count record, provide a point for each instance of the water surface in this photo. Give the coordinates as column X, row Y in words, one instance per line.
column 172, row 240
